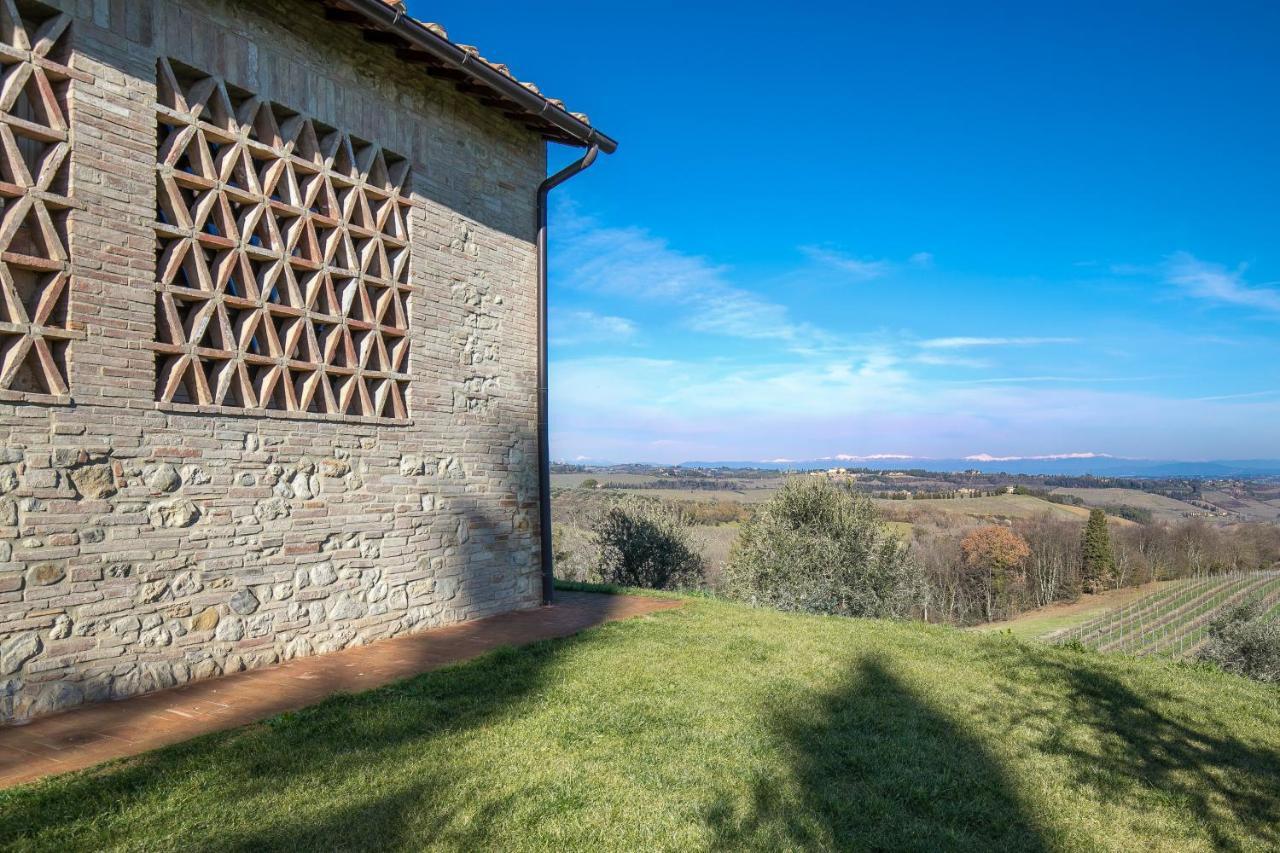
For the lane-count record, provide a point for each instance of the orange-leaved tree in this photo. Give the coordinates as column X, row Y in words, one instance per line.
column 995, row 561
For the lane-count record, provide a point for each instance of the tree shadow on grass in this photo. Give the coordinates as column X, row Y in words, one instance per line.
column 308, row 753
column 876, row 768
column 1231, row 786
column 377, row 823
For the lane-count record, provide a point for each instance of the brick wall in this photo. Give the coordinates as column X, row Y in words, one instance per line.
column 144, row 544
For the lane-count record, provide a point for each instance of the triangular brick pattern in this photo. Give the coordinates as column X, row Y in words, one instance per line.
column 282, row 257
column 34, row 162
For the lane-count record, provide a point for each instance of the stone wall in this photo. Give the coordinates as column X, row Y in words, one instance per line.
column 145, row 543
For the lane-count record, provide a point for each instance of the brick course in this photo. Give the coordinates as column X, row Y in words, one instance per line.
column 144, row 544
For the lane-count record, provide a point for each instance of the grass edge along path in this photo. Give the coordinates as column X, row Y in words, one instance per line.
column 715, row 726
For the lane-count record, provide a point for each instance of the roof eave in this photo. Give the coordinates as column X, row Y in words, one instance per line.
column 564, row 127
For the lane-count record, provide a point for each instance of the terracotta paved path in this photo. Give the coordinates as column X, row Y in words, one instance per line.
column 90, row 735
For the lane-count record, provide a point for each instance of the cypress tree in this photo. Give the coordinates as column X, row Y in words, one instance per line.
column 1098, row 568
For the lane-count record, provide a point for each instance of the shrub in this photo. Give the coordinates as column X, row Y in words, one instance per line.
column 1136, row 514
column 573, row 552
column 645, row 543
column 817, row 547
column 589, row 483
column 1245, row 642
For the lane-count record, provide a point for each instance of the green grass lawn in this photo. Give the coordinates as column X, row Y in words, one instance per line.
column 1034, row 629
column 716, row 727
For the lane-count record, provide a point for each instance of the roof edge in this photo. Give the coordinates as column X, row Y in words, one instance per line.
column 395, row 21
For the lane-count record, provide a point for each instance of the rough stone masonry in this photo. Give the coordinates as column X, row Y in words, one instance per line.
column 267, row 346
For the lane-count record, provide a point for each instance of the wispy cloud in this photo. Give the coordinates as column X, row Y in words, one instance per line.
column 1215, row 283
column 616, row 406
column 633, row 263
column 1086, row 380
column 946, row 359
column 569, row 328
column 858, row 268
column 965, row 343
column 1246, row 396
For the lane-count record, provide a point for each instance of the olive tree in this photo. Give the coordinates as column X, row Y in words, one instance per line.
column 1245, row 641
column 817, row 547
column 646, row 543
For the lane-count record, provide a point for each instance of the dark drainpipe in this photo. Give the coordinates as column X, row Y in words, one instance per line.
column 544, row 440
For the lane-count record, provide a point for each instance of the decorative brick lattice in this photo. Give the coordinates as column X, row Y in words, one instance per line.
column 34, row 161
column 282, row 257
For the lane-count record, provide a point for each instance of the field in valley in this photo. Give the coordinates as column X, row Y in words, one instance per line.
column 573, row 481
column 995, row 508
column 748, row 491
column 1161, row 507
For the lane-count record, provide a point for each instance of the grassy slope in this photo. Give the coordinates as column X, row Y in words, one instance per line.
column 1164, row 509
column 1000, row 506
column 573, row 481
column 716, row 726
column 750, row 491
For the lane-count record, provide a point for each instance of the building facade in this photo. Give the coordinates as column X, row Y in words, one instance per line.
column 268, row 345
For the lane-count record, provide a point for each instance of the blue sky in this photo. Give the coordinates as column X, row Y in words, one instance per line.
column 911, row 228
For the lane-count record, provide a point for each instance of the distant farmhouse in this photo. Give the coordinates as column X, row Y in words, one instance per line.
column 269, row 337
column 835, row 474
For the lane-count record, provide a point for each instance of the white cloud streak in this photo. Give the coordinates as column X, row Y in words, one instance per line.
column 1086, row 380
column 857, row 268
column 569, row 328
column 966, row 343
column 1215, row 283
column 1246, row 396
column 632, row 263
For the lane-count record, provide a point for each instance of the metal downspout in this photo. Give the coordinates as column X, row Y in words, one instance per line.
column 544, row 438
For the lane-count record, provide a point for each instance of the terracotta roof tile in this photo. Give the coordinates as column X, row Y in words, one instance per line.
column 535, row 119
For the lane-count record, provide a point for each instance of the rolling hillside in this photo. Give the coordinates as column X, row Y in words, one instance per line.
column 1161, row 507
column 1245, row 506
column 998, row 507
column 1174, row 620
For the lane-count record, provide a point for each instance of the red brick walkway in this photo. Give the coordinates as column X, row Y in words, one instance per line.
column 88, row 736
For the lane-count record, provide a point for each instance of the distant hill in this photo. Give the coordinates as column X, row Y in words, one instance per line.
column 1074, row 465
